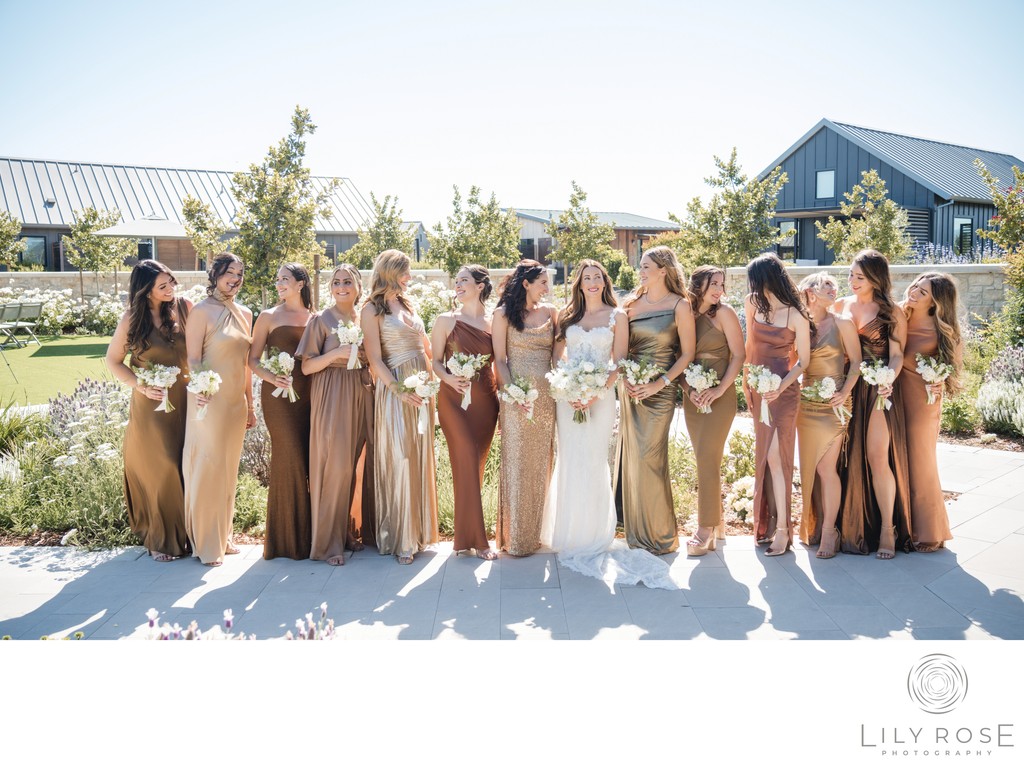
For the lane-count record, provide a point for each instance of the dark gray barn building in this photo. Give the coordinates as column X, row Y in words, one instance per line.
column 937, row 183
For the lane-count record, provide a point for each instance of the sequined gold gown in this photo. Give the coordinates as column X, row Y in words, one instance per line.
column 404, row 467
column 527, row 447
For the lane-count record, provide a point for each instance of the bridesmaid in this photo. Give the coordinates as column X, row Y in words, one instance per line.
column 277, row 329
column 933, row 329
column 404, row 468
column 719, row 347
column 523, row 333
column 217, row 337
column 822, row 434
column 152, row 331
column 468, row 432
column 661, row 329
column 875, row 510
column 779, row 338
column 341, row 427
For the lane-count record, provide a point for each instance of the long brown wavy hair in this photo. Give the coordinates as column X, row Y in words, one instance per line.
column 387, row 270
column 945, row 300
column 577, row 305
column 875, row 268
column 766, row 275
column 140, row 318
column 513, row 291
column 675, row 279
column 700, row 280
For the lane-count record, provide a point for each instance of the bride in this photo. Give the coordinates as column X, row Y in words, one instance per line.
column 579, row 519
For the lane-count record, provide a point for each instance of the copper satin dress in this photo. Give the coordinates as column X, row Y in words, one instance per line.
column 773, row 347
column 928, row 516
column 404, row 467
column 817, row 425
column 527, row 447
column 860, row 521
column 288, row 514
column 469, row 433
column 340, row 445
column 213, row 446
column 644, row 488
column 153, row 443
column 710, row 431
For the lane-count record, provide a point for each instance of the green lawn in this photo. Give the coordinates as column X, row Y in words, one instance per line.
column 53, row 368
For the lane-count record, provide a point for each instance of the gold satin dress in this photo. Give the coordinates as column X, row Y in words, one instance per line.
column 527, row 446
column 710, row 431
column 817, row 425
column 644, row 488
column 404, row 468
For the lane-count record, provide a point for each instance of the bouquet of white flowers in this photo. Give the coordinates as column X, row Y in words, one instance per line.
column 640, row 371
column 282, row 364
column 424, row 387
column 932, row 371
column 741, row 499
column 204, row 382
column 763, row 381
column 878, row 374
column 822, row 390
column 350, row 334
column 159, row 376
column 466, row 366
column 579, row 382
column 520, row 391
column 701, row 378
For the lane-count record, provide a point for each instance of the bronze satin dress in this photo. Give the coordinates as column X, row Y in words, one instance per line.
column 213, row 446
column 773, row 347
column 340, row 445
column 153, row 443
column 644, row 487
column 404, row 467
column 860, row 521
column 469, row 433
column 928, row 516
column 817, row 425
column 288, row 513
column 527, row 447
column 710, row 431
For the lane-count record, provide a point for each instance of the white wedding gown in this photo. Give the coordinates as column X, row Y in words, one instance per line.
column 579, row 519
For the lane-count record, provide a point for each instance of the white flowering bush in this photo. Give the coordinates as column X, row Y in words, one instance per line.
column 429, row 299
column 61, row 310
column 101, row 315
column 1001, row 405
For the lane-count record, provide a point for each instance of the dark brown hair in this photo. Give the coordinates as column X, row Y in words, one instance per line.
column 140, row 319
column 513, row 291
column 299, row 274
column 875, row 268
column 700, row 280
column 577, row 305
column 219, row 267
column 766, row 275
column 482, row 277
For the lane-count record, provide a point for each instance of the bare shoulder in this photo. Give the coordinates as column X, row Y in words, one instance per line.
column 727, row 314
column 499, row 313
column 445, row 322
column 368, row 311
column 682, row 308
column 844, row 324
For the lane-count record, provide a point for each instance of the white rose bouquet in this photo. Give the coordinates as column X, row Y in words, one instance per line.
column 282, row 364
column 741, row 499
column 205, row 383
column 763, row 381
column 877, row 373
column 158, row 376
column 350, row 334
column 701, row 378
column 579, row 382
column 520, row 391
column 424, row 387
column 822, row 391
column 932, row 371
column 466, row 366
column 640, row 371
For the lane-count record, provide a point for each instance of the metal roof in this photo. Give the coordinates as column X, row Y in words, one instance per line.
column 47, row 192
column 616, row 220
column 946, row 169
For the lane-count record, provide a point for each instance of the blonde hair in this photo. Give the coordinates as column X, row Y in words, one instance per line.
column 945, row 301
column 675, row 280
column 353, row 272
column 387, row 270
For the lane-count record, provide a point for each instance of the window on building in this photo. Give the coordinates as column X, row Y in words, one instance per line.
column 963, row 235
column 788, row 248
column 145, row 247
column 34, row 253
column 825, row 184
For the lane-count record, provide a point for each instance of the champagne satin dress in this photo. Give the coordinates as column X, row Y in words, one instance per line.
column 644, row 488
column 340, row 445
column 288, row 512
column 860, row 521
column 527, row 446
column 773, row 347
column 928, row 516
column 404, row 468
column 213, row 446
column 153, row 443
column 469, row 433
column 710, row 431
column 817, row 425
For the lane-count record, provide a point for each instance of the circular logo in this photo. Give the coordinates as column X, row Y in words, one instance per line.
column 937, row 683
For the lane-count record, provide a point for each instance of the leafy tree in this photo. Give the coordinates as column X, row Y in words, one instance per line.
column 872, row 220
column 10, row 243
column 477, row 233
column 1007, row 233
column 203, row 227
column 580, row 234
column 385, row 231
column 86, row 251
column 277, row 209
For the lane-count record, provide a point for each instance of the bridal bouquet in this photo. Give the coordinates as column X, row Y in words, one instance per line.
column 466, row 366
column 520, row 391
column 578, row 382
column 205, row 383
column 350, row 334
column 763, row 381
column 877, row 373
column 639, row 372
column 424, row 387
column 822, row 391
column 701, row 378
column 159, row 376
column 281, row 363
column 932, row 371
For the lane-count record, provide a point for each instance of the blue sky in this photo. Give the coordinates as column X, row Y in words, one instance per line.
column 629, row 99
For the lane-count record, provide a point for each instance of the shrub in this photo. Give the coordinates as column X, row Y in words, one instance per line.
column 1001, row 397
column 613, row 261
column 739, row 461
column 256, row 445
column 250, row 505
column 626, row 280
column 17, row 426
column 682, row 469
column 959, row 415
column 430, row 299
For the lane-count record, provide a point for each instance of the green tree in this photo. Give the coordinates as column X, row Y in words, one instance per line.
column 203, row 227
column 11, row 244
column 579, row 234
column 277, row 208
column 1008, row 233
column 477, row 233
column 385, row 231
column 86, row 251
column 870, row 220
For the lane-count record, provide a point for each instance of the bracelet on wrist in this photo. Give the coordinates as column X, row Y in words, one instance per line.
column 666, row 379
